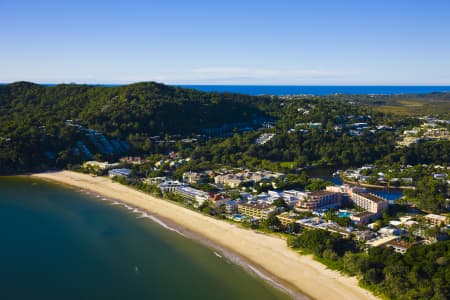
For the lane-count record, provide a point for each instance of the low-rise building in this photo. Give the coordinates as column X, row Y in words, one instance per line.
column 399, row 246
column 436, row 220
column 119, row 172
column 319, row 200
column 197, row 197
column 363, row 218
column 134, row 160
column 195, row 177
column 231, row 206
column 256, row 210
column 157, row 180
column 233, row 180
column 170, row 186
column 100, row 165
column 219, row 199
column 286, row 218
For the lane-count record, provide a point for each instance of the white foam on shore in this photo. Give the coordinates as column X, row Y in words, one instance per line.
column 160, row 222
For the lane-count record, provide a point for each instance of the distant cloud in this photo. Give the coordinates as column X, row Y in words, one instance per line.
column 237, row 75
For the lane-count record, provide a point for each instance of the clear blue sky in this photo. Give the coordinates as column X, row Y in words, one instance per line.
column 226, row 42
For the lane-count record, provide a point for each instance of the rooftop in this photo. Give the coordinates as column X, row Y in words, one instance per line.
column 257, row 205
column 371, row 197
column 362, row 214
column 320, row 193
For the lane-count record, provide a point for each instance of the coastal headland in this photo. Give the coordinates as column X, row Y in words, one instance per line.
column 265, row 255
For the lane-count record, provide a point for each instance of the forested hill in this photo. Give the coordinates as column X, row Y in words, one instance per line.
column 32, row 116
column 147, row 108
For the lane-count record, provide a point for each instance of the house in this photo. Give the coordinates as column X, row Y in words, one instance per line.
column 398, row 246
column 219, row 199
column 119, row 172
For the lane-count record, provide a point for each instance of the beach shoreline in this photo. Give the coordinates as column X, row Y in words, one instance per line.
column 263, row 255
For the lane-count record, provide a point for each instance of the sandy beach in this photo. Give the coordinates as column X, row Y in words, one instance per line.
column 269, row 255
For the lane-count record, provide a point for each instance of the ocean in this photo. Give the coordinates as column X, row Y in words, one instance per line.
column 63, row 243
column 280, row 90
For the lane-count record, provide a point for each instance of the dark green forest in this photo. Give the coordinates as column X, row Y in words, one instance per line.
column 32, row 116
column 34, row 134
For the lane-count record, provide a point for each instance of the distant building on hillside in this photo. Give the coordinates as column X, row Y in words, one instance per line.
column 134, row 160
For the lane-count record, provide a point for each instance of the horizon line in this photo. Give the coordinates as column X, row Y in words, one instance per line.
column 234, row 84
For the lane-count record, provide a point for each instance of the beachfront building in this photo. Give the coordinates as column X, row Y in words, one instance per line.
column 99, row 165
column 286, row 218
column 370, row 202
column 197, row 197
column 319, row 200
column 436, row 220
column 219, row 199
column 256, row 210
column 170, row 186
column 231, row 207
column 119, row 172
column 195, row 177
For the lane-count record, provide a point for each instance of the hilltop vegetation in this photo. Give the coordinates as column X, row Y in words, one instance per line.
column 309, row 130
column 32, row 116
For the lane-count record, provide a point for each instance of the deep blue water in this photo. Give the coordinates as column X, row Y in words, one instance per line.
column 281, row 90
column 317, row 90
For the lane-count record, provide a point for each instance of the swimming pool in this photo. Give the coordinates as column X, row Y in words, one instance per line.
column 344, row 214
